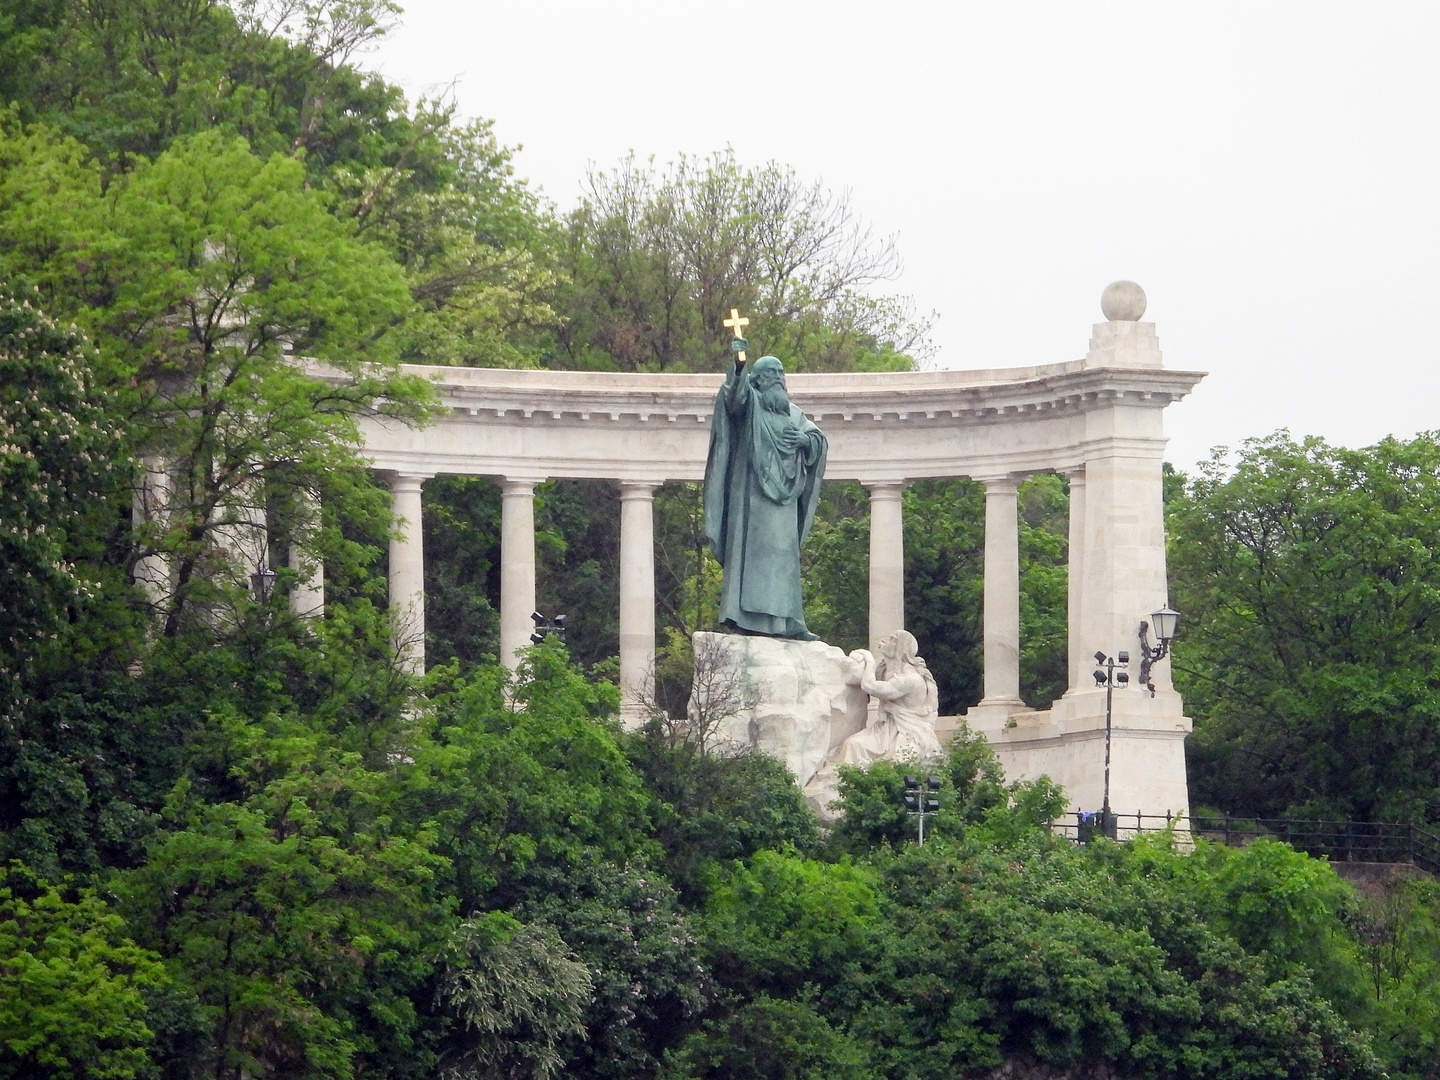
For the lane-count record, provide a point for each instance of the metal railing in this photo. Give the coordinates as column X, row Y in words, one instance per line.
column 1086, row 826
column 1338, row 841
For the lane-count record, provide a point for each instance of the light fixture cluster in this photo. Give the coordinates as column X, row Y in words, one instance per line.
column 1112, row 674
column 544, row 629
column 922, row 800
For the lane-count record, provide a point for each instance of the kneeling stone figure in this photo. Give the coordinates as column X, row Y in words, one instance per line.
column 900, row 724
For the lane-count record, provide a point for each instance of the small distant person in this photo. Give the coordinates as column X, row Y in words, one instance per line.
column 762, row 484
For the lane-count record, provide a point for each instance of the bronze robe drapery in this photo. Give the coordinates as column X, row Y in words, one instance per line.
column 759, row 505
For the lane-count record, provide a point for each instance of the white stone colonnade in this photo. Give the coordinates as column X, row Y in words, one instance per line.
column 1096, row 420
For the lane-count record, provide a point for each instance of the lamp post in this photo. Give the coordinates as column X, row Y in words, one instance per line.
column 1110, row 674
column 920, row 801
column 1167, row 621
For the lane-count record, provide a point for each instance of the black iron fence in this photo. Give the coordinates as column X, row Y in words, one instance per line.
column 1085, row 826
column 1338, row 841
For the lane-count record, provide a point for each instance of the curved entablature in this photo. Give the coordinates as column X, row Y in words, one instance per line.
column 881, row 426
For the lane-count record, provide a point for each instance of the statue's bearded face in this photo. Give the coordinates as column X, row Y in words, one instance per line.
column 771, row 387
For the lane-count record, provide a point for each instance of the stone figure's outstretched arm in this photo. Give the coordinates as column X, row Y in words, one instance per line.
column 890, row 689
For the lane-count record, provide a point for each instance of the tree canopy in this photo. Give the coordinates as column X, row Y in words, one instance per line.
column 1309, row 577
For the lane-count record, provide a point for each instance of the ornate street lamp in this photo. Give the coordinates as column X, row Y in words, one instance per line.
column 1166, row 622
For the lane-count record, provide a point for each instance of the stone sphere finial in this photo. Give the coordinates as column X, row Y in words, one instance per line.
column 1123, row 301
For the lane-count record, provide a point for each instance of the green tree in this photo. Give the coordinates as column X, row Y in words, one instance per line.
column 462, row 576
column 58, row 471
column 778, row 921
column 769, row 1039
column 1398, row 936
column 199, row 275
column 713, row 807
column 658, row 259
column 129, row 79
column 526, row 775
column 625, row 924
column 302, row 914
column 72, row 986
column 518, row 993
column 1033, row 950
column 1309, row 580
column 478, row 247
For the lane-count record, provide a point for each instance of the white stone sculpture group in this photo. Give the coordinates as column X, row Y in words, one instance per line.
column 814, row 708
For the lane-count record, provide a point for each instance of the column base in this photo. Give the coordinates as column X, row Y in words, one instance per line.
column 994, row 712
column 633, row 715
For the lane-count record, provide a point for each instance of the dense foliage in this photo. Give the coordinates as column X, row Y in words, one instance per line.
column 242, row 843
column 1309, row 574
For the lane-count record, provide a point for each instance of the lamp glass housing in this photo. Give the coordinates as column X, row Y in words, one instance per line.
column 1165, row 622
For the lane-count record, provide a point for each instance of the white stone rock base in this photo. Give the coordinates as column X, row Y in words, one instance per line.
column 788, row 699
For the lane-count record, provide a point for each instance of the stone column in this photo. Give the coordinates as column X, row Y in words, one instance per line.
column 637, row 598
column 1079, row 654
column 150, row 512
column 1002, row 594
column 887, row 559
column 239, row 528
column 407, row 572
column 517, row 565
column 307, row 594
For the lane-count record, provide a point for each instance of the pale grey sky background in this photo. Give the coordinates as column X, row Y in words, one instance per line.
column 1268, row 172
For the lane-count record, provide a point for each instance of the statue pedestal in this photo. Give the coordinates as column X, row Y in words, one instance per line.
column 785, row 698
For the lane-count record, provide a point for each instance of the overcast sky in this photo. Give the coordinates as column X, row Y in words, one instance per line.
column 1266, row 171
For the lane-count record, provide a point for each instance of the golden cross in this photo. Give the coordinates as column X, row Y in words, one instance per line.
column 735, row 322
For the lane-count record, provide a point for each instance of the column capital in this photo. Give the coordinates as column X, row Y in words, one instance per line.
column 520, row 485
column 406, row 481
column 1003, row 484
column 885, row 489
column 637, row 489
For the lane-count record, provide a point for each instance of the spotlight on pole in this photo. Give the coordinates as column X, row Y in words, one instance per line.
column 1110, row 674
column 262, row 584
column 544, row 629
column 922, row 801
